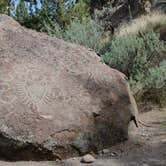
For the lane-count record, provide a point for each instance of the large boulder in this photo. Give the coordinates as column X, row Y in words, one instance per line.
column 57, row 100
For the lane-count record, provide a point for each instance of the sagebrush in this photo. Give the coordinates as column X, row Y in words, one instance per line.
column 87, row 33
column 140, row 56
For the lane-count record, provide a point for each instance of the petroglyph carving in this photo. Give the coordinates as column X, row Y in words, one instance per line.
column 31, row 83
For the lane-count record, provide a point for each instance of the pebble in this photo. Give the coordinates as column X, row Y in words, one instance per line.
column 114, row 154
column 87, row 159
column 163, row 140
column 145, row 164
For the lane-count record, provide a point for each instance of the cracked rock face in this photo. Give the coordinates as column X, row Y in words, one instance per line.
column 57, row 100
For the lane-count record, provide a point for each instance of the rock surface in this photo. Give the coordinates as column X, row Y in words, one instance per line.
column 87, row 159
column 57, row 100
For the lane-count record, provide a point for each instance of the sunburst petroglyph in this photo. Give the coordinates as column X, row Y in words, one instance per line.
column 30, row 83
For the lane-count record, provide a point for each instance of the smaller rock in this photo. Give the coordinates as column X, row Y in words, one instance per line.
column 87, row 159
column 145, row 164
column 163, row 141
column 114, row 154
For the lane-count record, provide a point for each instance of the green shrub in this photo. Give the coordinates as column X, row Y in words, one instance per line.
column 157, row 76
column 52, row 29
column 138, row 49
column 139, row 56
column 155, row 85
column 86, row 33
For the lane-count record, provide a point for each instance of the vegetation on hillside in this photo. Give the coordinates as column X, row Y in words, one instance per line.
column 138, row 51
column 87, row 33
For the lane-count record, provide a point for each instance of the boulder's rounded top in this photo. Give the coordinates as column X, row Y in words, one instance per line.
column 8, row 24
column 4, row 17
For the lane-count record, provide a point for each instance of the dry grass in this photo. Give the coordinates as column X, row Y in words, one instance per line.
column 153, row 21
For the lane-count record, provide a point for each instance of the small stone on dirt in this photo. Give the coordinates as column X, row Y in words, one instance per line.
column 163, row 140
column 113, row 154
column 87, row 159
column 145, row 164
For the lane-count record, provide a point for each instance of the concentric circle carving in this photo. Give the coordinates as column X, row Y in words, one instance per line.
column 30, row 82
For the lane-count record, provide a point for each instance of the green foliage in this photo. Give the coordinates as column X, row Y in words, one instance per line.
column 157, row 76
column 79, row 10
column 6, row 6
column 21, row 12
column 32, row 19
column 61, row 14
column 85, row 33
column 3, row 6
column 52, row 14
column 64, row 15
column 138, row 56
column 156, row 84
column 40, row 19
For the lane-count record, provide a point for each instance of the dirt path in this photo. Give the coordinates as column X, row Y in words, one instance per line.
column 147, row 147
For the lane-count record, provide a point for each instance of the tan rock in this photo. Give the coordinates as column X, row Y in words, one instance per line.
column 87, row 159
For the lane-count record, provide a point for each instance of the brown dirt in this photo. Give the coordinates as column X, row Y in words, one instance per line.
column 147, row 146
